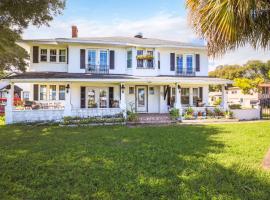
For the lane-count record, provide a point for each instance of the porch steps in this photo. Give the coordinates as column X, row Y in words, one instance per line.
column 153, row 118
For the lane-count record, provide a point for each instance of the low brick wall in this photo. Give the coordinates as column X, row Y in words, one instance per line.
column 246, row 114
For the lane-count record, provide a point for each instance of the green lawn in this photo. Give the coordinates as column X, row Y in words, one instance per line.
column 175, row 162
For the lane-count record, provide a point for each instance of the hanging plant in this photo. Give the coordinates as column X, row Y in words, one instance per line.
column 145, row 57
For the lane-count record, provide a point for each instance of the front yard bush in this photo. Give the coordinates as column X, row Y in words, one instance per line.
column 91, row 120
column 174, row 114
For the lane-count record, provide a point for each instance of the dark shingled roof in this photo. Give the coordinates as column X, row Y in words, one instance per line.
column 65, row 75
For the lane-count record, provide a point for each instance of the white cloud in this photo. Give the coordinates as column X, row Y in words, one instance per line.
column 240, row 56
column 160, row 26
column 163, row 25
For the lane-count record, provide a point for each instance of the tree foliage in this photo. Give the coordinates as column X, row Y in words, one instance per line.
column 15, row 16
column 247, row 77
column 229, row 24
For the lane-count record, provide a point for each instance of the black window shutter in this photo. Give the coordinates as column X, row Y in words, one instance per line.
column 201, row 93
column 198, row 67
column 35, row 54
column 35, row 94
column 67, row 55
column 83, row 100
column 82, row 58
column 169, row 96
column 111, row 97
column 112, row 59
column 172, row 57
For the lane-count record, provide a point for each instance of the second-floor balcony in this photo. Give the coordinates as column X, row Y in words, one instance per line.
column 185, row 72
column 97, row 69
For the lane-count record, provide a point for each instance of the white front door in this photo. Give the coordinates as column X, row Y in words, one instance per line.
column 141, row 99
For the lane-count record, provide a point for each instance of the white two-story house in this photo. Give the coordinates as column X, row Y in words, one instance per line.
column 98, row 76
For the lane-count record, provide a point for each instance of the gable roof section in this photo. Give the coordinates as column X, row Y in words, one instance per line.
column 119, row 41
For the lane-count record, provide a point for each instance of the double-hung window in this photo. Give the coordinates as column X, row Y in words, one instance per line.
column 43, row 93
column 139, row 61
column 26, row 95
column 103, row 60
column 62, row 92
column 52, row 92
column 92, row 59
column 179, row 62
column 62, row 55
column 53, row 55
column 189, row 60
column 150, row 63
column 185, row 96
column 129, row 59
column 43, row 55
column 196, row 96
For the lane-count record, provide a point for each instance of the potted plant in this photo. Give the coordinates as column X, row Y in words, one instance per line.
column 228, row 114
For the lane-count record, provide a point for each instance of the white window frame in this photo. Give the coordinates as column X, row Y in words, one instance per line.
column 50, row 55
column 65, row 56
column 40, row 55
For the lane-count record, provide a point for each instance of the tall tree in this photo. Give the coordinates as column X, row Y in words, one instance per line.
column 247, row 76
column 15, row 16
column 229, row 24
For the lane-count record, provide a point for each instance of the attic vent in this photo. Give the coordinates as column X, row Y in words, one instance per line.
column 139, row 35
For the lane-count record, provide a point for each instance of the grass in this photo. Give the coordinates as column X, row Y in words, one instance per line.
column 175, row 162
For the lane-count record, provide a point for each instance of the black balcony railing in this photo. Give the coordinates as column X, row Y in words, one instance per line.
column 185, row 71
column 97, row 69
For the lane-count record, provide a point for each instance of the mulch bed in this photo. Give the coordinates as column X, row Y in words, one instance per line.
column 266, row 161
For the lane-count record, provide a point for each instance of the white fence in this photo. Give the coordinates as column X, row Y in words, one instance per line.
column 24, row 116
column 246, row 114
column 95, row 112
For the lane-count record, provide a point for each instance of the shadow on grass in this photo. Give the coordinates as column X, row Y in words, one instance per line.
column 121, row 163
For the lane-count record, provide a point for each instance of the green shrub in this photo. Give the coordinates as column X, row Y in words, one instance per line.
column 189, row 111
column 132, row 116
column 188, row 116
column 235, row 106
column 174, row 113
column 91, row 120
column 218, row 112
column 229, row 114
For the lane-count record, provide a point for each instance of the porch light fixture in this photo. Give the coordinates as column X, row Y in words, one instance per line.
column 67, row 88
column 123, row 88
column 179, row 87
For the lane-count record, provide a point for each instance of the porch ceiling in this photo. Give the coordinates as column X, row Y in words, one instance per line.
column 32, row 77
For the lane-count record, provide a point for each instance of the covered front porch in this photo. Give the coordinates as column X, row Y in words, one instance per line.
column 52, row 99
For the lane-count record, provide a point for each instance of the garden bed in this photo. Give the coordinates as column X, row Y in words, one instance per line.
column 92, row 121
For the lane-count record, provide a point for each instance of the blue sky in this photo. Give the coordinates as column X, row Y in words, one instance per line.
column 165, row 19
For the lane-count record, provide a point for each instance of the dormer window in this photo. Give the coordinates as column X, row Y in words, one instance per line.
column 53, row 53
column 43, row 55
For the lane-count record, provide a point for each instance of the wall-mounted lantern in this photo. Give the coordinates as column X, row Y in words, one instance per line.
column 123, row 88
column 67, row 88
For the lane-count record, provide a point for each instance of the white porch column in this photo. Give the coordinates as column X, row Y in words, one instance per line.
column 9, row 105
column 224, row 97
column 178, row 104
column 123, row 104
column 205, row 95
column 68, row 106
column 191, row 96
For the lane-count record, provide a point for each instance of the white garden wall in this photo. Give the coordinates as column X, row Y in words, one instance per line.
column 23, row 116
column 246, row 114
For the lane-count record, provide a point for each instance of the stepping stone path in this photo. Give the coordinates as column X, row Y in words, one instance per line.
column 266, row 161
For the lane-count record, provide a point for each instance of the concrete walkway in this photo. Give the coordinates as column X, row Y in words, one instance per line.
column 266, row 161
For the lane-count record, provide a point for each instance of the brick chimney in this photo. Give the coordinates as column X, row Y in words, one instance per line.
column 74, row 31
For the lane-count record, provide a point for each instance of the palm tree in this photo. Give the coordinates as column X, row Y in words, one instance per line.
column 229, row 24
